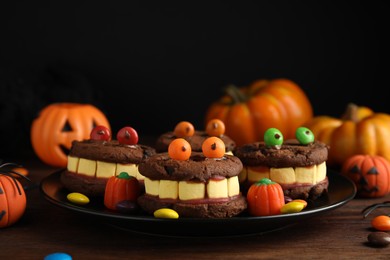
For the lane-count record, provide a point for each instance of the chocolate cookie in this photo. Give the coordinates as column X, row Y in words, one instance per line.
column 299, row 169
column 290, row 154
column 195, row 141
column 198, row 167
column 92, row 162
column 198, row 187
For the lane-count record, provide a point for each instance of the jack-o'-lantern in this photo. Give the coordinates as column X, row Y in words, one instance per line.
column 12, row 197
column 59, row 124
column 370, row 173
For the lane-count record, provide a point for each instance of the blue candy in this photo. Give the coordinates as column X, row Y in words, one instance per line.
column 58, row 256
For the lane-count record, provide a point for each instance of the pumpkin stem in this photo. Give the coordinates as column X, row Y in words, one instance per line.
column 264, row 181
column 235, row 93
column 351, row 113
column 123, row 175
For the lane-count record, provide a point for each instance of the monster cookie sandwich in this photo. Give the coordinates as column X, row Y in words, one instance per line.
column 194, row 184
column 298, row 165
column 92, row 162
column 186, row 130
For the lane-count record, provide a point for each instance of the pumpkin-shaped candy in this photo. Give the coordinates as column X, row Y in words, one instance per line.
column 265, row 198
column 121, row 193
column 59, row 124
column 249, row 111
column 358, row 131
column 12, row 200
column 370, row 173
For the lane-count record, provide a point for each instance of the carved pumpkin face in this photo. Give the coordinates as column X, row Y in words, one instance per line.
column 12, row 201
column 59, row 124
column 370, row 173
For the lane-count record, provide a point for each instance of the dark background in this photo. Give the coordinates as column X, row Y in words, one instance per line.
column 151, row 64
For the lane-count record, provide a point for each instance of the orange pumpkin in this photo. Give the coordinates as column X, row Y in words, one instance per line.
column 58, row 124
column 370, row 173
column 12, row 200
column 358, row 131
column 249, row 111
column 122, row 188
column 265, row 198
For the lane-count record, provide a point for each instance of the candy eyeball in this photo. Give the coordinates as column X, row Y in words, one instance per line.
column 184, row 129
column 127, row 135
column 179, row 149
column 213, row 147
column 273, row 137
column 100, row 132
column 215, row 127
column 304, row 135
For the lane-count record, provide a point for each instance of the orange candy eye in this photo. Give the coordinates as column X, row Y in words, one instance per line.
column 184, row 129
column 213, row 147
column 179, row 149
column 215, row 127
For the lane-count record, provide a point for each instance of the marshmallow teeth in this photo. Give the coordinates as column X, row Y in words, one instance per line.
column 99, row 169
column 306, row 175
column 190, row 190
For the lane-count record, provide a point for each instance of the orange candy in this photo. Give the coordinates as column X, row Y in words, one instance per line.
column 213, row 147
column 215, row 127
column 381, row 223
column 184, row 129
column 179, row 149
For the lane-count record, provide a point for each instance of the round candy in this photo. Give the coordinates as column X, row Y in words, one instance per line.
column 379, row 238
column 100, row 132
column 213, row 147
column 381, row 222
column 215, row 127
column 184, row 129
column 273, row 137
column 166, row 213
column 127, row 135
column 77, row 198
column 292, row 207
column 179, row 149
column 304, row 135
column 58, row 256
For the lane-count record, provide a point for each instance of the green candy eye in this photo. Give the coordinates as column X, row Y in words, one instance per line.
column 304, row 135
column 273, row 137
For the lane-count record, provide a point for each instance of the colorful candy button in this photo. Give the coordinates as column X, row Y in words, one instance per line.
column 166, row 213
column 292, row 207
column 58, row 256
column 77, row 198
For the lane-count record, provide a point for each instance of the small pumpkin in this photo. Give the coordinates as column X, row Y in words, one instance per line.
column 265, row 198
column 58, row 124
column 249, row 111
column 370, row 173
column 12, row 197
column 358, row 131
column 121, row 192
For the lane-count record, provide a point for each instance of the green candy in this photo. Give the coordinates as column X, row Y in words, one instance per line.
column 304, row 135
column 273, row 137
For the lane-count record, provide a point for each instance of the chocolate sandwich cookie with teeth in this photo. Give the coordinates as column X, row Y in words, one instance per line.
column 198, row 187
column 300, row 168
column 92, row 162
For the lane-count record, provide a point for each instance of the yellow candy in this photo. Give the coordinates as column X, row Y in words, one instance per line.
column 301, row 201
column 166, row 213
column 77, row 198
column 292, row 207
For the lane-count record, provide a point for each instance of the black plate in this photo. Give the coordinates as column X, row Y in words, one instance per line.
column 341, row 190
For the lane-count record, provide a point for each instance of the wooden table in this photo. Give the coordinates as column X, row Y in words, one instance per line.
column 46, row 228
